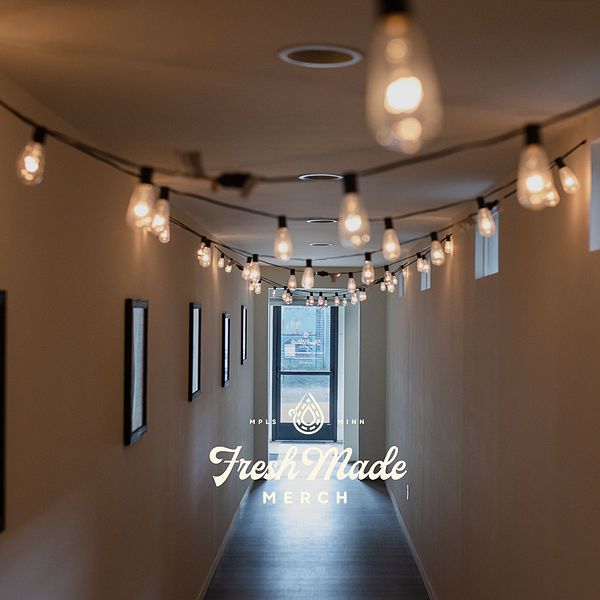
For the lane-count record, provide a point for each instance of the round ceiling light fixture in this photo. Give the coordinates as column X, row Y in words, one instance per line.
column 321, row 56
column 322, row 221
column 320, row 177
column 320, row 244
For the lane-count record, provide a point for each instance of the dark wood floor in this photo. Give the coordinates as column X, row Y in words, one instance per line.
column 317, row 551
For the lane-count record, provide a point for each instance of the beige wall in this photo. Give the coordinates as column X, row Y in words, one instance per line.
column 493, row 401
column 88, row 518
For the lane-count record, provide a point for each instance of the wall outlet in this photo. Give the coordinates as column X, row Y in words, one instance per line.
column 407, row 492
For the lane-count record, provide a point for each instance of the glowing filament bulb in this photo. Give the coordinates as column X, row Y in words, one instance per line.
column 164, row 237
column 344, row 301
column 221, row 261
column 448, row 245
column 336, row 299
column 362, row 295
column 283, row 247
column 403, row 104
column 161, row 213
column 382, row 286
column 254, row 274
column 32, row 160
column 438, row 256
column 308, row 277
column 387, row 276
column 141, row 204
column 486, row 225
column 320, row 300
column 229, row 266
column 535, row 186
column 292, row 282
column 311, row 300
column 426, row 265
column 391, row 243
column 568, row 179
column 246, row 269
column 353, row 298
column 351, row 283
column 419, row 263
column 354, row 229
column 205, row 254
column 258, row 288
column 368, row 272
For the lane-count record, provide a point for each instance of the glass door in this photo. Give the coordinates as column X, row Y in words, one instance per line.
column 304, row 373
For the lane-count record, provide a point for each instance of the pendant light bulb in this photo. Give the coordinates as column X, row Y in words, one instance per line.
column 351, row 283
column 336, row 299
column 368, row 272
column 438, row 256
column 308, row 277
column 205, row 255
column 32, row 160
column 254, row 274
column 292, row 281
column 161, row 213
column 246, row 269
column 448, row 244
column 486, row 225
column 221, row 261
column 419, row 263
column 403, row 103
column 320, row 299
column 391, row 243
column 354, row 229
column 568, row 179
column 311, row 300
column 141, row 204
column 164, row 237
column 382, row 286
column 283, row 247
column 387, row 275
column 535, row 186
column 344, row 301
column 229, row 266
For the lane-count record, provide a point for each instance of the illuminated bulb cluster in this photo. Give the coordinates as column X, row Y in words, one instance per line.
column 423, row 265
column 389, row 281
column 287, row 296
column 403, row 104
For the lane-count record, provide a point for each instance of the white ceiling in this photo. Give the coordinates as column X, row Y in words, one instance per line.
column 146, row 79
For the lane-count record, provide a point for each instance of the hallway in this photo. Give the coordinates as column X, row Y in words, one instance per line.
column 341, row 551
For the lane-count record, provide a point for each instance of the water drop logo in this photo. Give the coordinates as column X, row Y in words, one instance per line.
column 307, row 417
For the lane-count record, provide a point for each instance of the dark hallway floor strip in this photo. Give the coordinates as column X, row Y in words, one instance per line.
column 313, row 551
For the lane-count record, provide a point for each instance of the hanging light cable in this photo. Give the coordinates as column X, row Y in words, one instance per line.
column 368, row 272
column 141, row 203
column 308, row 277
column 535, row 186
column 391, row 243
column 354, row 229
column 486, row 225
column 31, row 162
column 403, row 104
column 283, row 247
column 438, row 256
column 568, row 179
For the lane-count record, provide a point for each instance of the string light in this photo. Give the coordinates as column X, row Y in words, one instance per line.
column 344, row 300
column 486, row 225
column 448, row 244
column 246, row 269
column 258, row 287
column 254, row 272
column 383, row 286
column 535, row 186
column 229, row 266
column 387, row 275
column 141, row 204
column 204, row 254
column 292, row 282
column 221, row 261
column 426, row 265
column 320, row 299
column 336, row 299
column 568, row 179
column 164, row 237
column 274, row 293
column 403, row 105
column 161, row 213
column 353, row 298
column 391, row 244
column 354, row 229
column 32, row 160
column 308, row 277
column 419, row 262
column 351, row 283
column 283, row 247
column 438, row 256
column 368, row 272
column 362, row 295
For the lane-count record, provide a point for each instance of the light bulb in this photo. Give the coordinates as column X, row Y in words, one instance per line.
column 336, row 299
column 320, row 300
column 141, row 204
column 403, row 104
column 258, row 288
column 351, row 283
column 274, row 293
column 292, row 282
column 229, row 266
column 354, row 229
column 382, row 286
column 368, row 272
column 391, row 244
column 419, row 263
column 448, row 245
column 32, row 160
column 438, row 256
column 568, row 179
column 221, row 261
column 283, row 247
column 308, row 277
column 246, row 269
column 251, row 285
column 164, row 237
column 426, row 265
column 353, row 298
column 362, row 295
column 394, row 280
column 311, row 300
column 387, row 275
column 535, row 186
column 391, row 288
column 344, row 301
column 160, row 216
column 205, row 255
column 254, row 274
column 486, row 225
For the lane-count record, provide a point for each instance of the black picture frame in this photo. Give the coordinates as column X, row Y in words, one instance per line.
column 244, row 334
column 2, row 410
column 226, row 354
column 136, row 370
column 195, row 351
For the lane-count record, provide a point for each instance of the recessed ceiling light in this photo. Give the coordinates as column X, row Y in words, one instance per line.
column 319, row 221
column 319, row 177
column 321, row 56
column 320, row 244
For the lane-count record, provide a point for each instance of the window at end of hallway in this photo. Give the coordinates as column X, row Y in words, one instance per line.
column 486, row 251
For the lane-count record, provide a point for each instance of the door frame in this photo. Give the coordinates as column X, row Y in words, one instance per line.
column 286, row 431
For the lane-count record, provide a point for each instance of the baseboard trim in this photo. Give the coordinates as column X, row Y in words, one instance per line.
column 413, row 550
column 215, row 563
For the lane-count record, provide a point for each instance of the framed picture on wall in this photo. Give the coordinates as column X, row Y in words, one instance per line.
column 244, row 333
column 136, row 369
column 2, row 406
column 195, row 351
column 226, row 345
